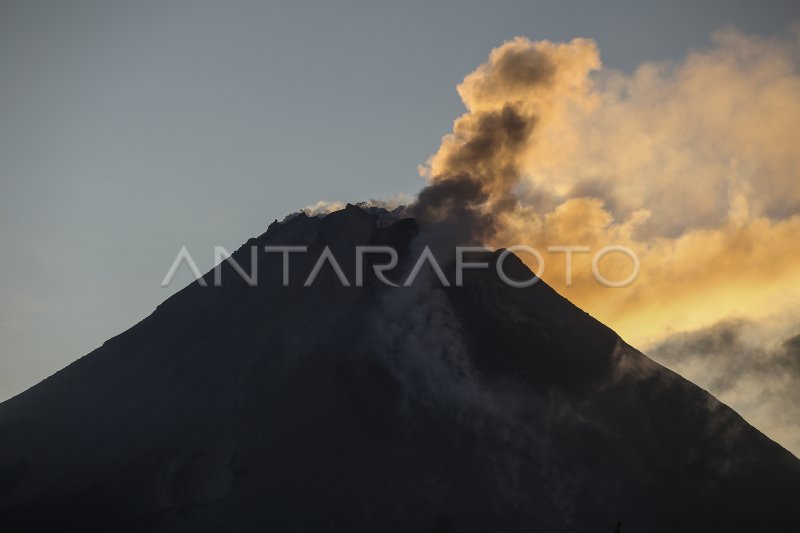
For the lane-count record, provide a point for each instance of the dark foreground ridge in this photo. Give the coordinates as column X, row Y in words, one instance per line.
column 482, row 408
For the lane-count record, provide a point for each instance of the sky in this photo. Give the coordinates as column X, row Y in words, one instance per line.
column 128, row 130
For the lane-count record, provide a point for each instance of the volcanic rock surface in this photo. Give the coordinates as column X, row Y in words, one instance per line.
column 481, row 408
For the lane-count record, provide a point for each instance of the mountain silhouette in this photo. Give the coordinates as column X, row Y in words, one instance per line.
column 479, row 408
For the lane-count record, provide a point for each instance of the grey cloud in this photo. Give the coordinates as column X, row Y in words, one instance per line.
column 748, row 366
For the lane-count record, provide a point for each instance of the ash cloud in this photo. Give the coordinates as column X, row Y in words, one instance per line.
column 692, row 164
column 474, row 174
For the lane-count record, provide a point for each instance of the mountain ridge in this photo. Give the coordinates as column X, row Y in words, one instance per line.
column 473, row 408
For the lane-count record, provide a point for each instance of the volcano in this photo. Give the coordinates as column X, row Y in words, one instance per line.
column 480, row 407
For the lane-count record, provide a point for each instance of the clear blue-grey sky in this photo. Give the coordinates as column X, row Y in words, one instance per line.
column 128, row 129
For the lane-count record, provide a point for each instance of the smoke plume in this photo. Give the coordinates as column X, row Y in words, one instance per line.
column 474, row 174
column 692, row 164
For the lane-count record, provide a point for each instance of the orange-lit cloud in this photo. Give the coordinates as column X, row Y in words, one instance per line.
column 693, row 165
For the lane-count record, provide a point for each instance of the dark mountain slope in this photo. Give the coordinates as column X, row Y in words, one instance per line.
column 327, row 408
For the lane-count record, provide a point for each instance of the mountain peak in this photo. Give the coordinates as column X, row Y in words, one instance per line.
column 479, row 407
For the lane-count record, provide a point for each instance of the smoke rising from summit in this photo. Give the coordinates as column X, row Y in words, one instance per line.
column 474, row 174
column 691, row 164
